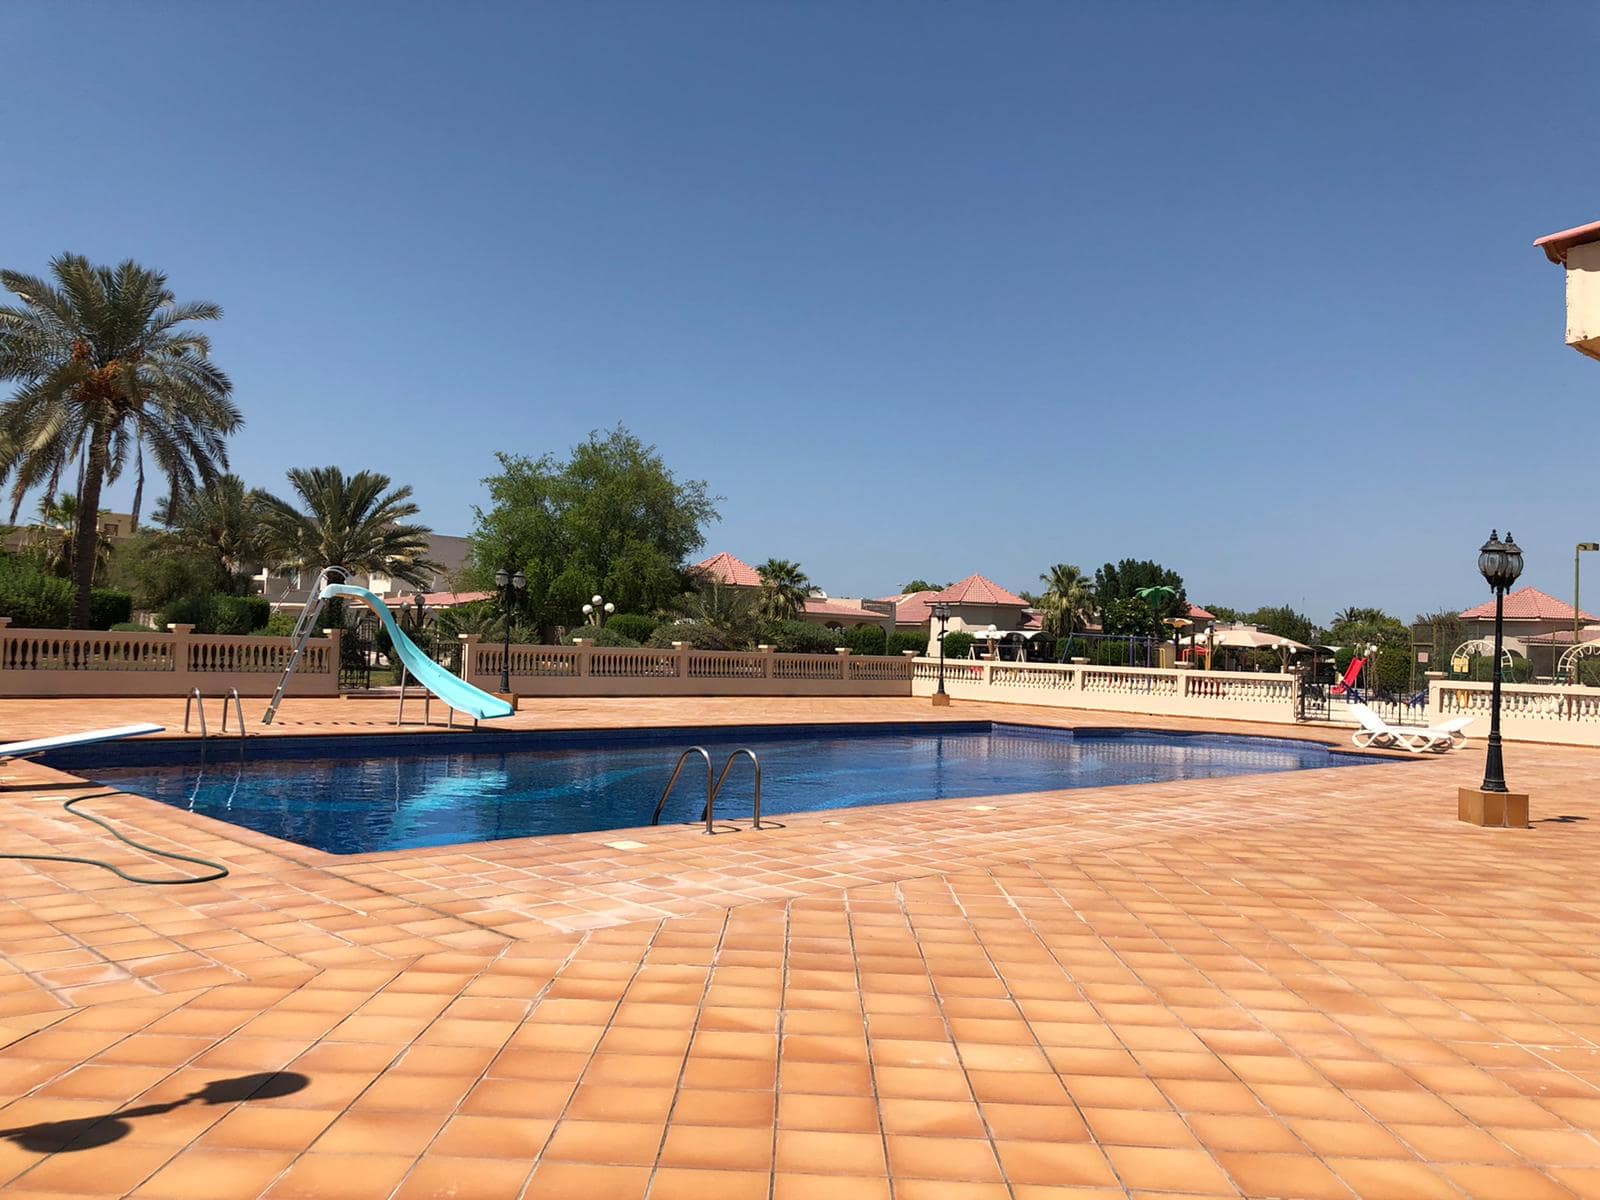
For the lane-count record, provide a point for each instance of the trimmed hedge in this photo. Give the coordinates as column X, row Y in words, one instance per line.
column 109, row 607
column 866, row 639
column 239, row 614
column 958, row 643
column 903, row 639
column 32, row 599
column 632, row 625
column 801, row 637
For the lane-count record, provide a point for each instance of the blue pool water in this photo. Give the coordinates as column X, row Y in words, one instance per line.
column 356, row 795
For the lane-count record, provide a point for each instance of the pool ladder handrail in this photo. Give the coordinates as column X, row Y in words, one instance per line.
column 723, row 778
column 195, row 701
column 713, row 787
column 673, row 782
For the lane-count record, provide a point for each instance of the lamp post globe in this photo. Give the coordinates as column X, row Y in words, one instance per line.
column 1500, row 563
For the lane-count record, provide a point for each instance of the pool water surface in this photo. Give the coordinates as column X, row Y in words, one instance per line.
column 358, row 795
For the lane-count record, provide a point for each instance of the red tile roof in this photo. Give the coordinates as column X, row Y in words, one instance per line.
column 1556, row 245
column 1526, row 604
column 725, row 568
column 912, row 608
column 816, row 606
column 976, row 589
column 438, row 599
column 1196, row 613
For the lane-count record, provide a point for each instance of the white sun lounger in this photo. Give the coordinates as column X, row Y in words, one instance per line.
column 1375, row 732
column 87, row 737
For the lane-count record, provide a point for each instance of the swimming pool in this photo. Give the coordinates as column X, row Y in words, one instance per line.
column 355, row 795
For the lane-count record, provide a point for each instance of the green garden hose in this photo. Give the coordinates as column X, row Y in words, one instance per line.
column 218, row 871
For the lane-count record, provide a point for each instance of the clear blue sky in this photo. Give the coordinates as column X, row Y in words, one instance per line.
column 921, row 289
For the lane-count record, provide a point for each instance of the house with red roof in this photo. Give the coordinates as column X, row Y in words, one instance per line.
column 1538, row 626
column 976, row 603
column 819, row 609
column 1528, row 613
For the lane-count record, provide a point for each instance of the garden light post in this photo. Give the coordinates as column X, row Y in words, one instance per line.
column 1500, row 563
column 418, row 603
column 597, row 610
column 1577, row 575
column 509, row 584
column 941, row 613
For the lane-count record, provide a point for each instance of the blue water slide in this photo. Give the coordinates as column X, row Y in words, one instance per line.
column 452, row 689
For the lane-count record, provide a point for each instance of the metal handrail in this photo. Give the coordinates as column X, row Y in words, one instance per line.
column 194, row 697
column 678, row 770
column 716, row 791
column 238, row 707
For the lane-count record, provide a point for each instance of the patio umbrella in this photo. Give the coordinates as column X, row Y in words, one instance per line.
column 1255, row 639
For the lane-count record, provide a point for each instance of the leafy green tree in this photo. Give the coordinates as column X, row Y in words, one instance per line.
column 611, row 518
column 107, row 367
column 1068, row 599
column 784, row 588
column 1356, row 629
column 357, row 521
column 1285, row 622
column 921, row 585
column 1226, row 615
column 1128, row 616
column 1124, row 580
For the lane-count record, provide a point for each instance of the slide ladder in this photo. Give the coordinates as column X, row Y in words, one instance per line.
column 303, row 628
column 452, row 689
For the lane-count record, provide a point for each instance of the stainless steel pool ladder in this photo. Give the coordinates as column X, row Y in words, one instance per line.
column 195, row 701
column 713, row 787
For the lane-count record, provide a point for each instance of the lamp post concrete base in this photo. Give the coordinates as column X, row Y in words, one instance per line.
column 509, row 697
column 941, row 699
column 1498, row 810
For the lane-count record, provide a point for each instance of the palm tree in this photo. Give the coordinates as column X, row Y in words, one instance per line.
column 357, row 522
column 726, row 609
column 784, row 588
column 221, row 522
column 106, row 367
column 50, row 538
column 1068, row 596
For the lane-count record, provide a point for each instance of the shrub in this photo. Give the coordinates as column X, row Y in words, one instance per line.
column 702, row 635
column 189, row 610
column 866, row 639
column 132, row 627
column 907, row 639
column 801, row 637
column 32, row 599
column 240, row 614
column 604, row 636
column 1392, row 668
column 958, row 643
column 279, row 624
column 109, row 607
column 633, row 625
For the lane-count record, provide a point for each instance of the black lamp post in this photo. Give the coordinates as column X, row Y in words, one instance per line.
column 509, row 584
column 420, row 605
column 941, row 613
column 1500, row 563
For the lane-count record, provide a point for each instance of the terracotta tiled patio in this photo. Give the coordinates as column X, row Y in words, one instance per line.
column 1315, row 984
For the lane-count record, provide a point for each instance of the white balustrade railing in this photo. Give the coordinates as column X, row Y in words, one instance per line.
column 587, row 669
column 1157, row 691
column 72, row 662
column 1528, row 712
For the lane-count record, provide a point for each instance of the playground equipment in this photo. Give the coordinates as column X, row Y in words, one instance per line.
column 452, row 689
